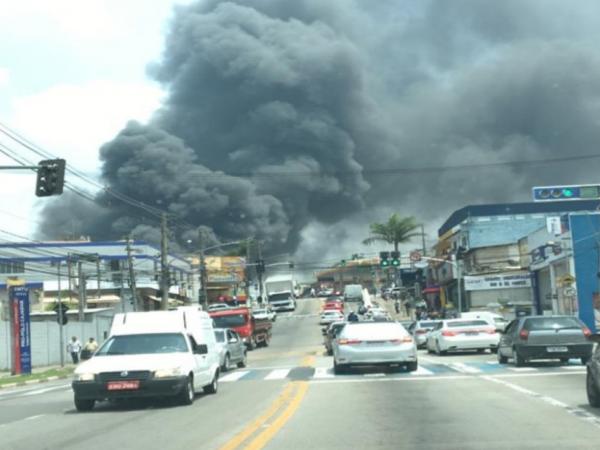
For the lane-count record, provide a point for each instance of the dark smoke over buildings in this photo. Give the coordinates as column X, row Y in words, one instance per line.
column 260, row 93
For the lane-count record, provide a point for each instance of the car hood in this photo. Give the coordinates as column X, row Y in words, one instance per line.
column 114, row 363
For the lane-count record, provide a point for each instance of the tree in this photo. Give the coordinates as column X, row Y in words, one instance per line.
column 396, row 230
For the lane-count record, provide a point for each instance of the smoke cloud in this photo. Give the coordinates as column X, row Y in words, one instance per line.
column 260, row 93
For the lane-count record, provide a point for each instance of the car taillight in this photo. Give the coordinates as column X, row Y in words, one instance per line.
column 524, row 334
column 448, row 333
column 349, row 341
column 586, row 332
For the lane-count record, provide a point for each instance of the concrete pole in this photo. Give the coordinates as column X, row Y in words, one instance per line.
column 81, row 277
column 61, row 331
column 459, row 279
column 132, row 283
column 164, row 266
column 203, row 272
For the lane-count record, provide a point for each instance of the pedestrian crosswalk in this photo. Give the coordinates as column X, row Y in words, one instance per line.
column 425, row 369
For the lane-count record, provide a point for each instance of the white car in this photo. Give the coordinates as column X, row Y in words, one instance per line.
column 330, row 315
column 265, row 313
column 151, row 354
column 421, row 330
column 218, row 307
column 231, row 348
column 374, row 343
column 463, row 334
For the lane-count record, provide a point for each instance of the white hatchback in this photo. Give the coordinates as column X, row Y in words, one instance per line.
column 330, row 315
column 463, row 334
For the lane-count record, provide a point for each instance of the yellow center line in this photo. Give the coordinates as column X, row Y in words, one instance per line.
column 263, row 438
column 259, row 422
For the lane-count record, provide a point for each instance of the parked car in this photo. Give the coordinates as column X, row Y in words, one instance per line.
column 218, row 307
column 462, row 334
column 265, row 313
column 593, row 374
column 420, row 331
column 374, row 343
column 331, row 315
column 545, row 337
column 325, row 293
column 232, row 350
column 353, row 293
column 330, row 334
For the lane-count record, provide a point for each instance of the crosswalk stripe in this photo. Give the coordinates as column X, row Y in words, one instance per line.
column 323, row 372
column 277, row 374
column 234, row 376
column 422, row 371
column 573, row 367
column 463, row 368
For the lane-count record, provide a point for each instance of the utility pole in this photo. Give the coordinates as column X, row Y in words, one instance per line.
column 247, row 272
column 132, row 283
column 260, row 272
column 98, row 291
column 81, row 278
column 69, row 275
column 424, row 247
column 164, row 267
column 203, row 272
column 61, row 333
column 122, row 287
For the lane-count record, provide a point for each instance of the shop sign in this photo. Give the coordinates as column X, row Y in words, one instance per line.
column 504, row 281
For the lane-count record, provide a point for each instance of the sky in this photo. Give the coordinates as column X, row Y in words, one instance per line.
column 298, row 122
column 64, row 64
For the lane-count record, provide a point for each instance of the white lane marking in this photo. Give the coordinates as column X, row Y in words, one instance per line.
column 522, row 369
column 422, row 371
column 374, row 375
column 463, row 368
column 323, row 372
column 493, row 363
column 573, row 410
column 537, row 374
column 234, row 376
column 44, row 390
column 34, row 417
column 277, row 374
column 573, row 367
column 345, row 379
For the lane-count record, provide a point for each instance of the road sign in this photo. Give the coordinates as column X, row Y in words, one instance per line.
column 415, row 256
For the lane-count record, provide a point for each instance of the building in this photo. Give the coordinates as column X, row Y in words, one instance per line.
column 95, row 274
column 481, row 247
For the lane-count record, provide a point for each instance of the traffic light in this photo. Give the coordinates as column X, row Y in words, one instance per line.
column 61, row 313
column 395, row 259
column 50, row 177
column 571, row 192
column 384, row 259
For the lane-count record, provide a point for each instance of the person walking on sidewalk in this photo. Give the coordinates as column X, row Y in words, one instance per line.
column 74, row 347
column 89, row 348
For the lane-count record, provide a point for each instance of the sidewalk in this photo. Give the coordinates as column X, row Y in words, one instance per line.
column 39, row 374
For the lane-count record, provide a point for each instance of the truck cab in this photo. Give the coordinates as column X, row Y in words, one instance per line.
column 282, row 301
column 254, row 332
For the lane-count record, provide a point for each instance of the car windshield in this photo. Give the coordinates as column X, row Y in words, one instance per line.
column 234, row 320
column 259, row 311
column 220, row 336
column 279, row 297
column 551, row 323
column 136, row 344
column 467, row 323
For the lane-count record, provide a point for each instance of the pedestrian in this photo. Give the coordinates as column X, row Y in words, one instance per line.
column 397, row 306
column 313, row 293
column 74, row 348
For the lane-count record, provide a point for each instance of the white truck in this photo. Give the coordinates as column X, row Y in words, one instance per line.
column 151, row 354
column 281, row 292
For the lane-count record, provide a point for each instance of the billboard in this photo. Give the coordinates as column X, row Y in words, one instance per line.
column 21, row 329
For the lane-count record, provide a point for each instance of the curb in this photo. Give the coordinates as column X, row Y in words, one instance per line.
column 30, row 382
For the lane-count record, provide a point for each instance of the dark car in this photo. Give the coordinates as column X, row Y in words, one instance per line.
column 330, row 334
column 545, row 337
column 593, row 374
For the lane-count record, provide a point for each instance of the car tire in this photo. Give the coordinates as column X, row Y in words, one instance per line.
column 338, row 369
column 518, row 358
column 84, row 404
column 329, row 352
column 501, row 358
column 438, row 350
column 481, row 350
column 250, row 346
column 412, row 366
column 585, row 359
column 244, row 362
column 494, row 349
column 593, row 394
column 186, row 395
column 213, row 387
column 226, row 363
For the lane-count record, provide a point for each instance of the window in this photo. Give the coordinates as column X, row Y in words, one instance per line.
column 138, row 344
column 236, row 320
column 467, row 323
column 12, row 267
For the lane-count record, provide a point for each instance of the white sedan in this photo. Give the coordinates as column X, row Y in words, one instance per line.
column 265, row 313
column 330, row 315
column 462, row 334
column 374, row 344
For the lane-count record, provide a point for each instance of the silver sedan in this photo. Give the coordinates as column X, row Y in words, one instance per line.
column 374, row 344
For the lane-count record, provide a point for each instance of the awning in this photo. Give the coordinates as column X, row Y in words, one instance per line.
column 431, row 290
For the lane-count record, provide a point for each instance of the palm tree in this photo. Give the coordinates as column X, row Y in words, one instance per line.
column 396, row 230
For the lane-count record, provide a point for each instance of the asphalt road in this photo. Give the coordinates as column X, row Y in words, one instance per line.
column 288, row 398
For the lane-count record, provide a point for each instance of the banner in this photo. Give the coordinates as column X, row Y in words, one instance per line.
column 21, row 329
column 500, row 281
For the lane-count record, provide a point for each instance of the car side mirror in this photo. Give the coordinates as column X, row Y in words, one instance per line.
column 201, row 349
column 594, row 338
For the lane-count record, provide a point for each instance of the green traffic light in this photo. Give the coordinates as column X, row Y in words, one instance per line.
column 395, row 262
column 385, row 263
column 567, row 192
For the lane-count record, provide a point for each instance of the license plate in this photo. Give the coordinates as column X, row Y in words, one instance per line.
column 123, row 385
column 557, row 349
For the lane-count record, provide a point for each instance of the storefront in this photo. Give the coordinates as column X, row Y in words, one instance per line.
column 506, row 291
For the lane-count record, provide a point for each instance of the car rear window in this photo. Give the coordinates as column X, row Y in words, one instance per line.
column 428, row 324
column 374, row 331
column 467, row 323
column 551, row 323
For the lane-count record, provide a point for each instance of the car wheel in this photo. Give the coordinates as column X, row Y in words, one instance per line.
column 338, row 369
column 501, row 358
column 250, row 345
column 518, row 358
column 186, row 396
column 213, row 386
column 412, row 366
column 481, row 350
column 226, row 363
column 244, row 362
column 494, row 349
column 593, row 394
column 585, row 359
column 438, row 350
column 329, row 351
column 83, row 405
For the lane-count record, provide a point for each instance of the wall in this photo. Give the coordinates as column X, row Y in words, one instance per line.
column 501, row 230
column 45, row 345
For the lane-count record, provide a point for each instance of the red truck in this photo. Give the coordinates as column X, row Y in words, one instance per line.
column 254, row 332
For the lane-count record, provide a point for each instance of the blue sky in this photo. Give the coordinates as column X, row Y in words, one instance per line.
column 72, row 73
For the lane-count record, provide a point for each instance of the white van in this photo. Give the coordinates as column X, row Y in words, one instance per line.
column 492, row 318
column 353, row 293
column 151, row 354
